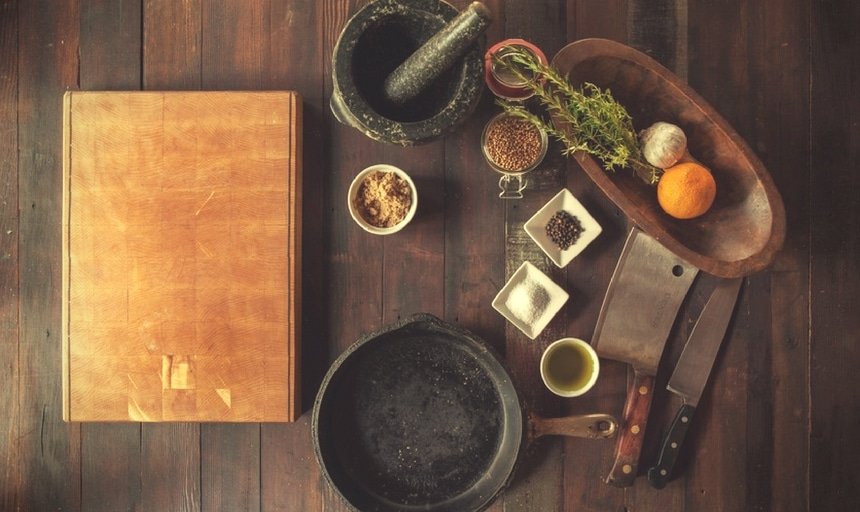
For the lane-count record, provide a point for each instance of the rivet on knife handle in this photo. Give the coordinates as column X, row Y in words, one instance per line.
column 629, row 444
column 662, row 471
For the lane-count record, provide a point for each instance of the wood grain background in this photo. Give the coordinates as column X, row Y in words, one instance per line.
column 776, row 429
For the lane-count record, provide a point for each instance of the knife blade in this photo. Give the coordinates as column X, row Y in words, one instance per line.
column 692, row 371
column 642, row 301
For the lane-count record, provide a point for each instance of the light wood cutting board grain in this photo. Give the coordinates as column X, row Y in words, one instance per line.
column 181, row 256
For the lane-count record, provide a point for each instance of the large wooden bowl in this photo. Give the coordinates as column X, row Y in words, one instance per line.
column 745, row 227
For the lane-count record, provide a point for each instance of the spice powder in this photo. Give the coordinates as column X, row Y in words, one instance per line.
column 528, row 301
column 383, row 199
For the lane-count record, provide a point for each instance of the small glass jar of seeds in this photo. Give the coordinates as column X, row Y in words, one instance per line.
column 513, row 146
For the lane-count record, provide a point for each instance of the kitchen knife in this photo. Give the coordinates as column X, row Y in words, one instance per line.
column 644, row 294
column 692, row 371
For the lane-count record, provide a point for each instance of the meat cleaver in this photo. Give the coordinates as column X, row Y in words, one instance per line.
column 647, row 288
column 692, row 371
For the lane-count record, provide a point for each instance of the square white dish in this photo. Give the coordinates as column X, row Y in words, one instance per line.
column 536, row 227
column 530, row 299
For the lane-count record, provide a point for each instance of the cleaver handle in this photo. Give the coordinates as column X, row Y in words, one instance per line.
column 629, row 444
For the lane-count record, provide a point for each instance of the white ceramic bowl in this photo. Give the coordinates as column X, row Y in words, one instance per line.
column 585, row 351
column 353, row 191
column 536, row 227
column 530, row 299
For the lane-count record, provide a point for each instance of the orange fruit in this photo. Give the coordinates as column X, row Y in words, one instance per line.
column 686, row 190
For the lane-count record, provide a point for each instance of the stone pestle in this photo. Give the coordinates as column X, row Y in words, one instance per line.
column 437, row 55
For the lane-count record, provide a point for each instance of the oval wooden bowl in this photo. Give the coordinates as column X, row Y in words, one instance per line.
column 745, row 227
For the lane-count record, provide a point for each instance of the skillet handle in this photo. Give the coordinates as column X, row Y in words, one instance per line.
column 629, row 444
column 589, row 426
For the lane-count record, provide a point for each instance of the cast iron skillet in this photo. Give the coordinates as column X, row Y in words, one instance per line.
column 422, row 416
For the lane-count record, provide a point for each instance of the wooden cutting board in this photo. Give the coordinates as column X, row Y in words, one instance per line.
column 181, row 256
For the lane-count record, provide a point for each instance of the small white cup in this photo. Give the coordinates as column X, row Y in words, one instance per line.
column 353, row 191
column 569, row 367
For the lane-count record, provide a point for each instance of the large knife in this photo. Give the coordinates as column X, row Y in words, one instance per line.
column 642, row 301
column 692, row 371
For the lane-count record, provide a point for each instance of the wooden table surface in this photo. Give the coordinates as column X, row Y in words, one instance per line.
column 776, row 429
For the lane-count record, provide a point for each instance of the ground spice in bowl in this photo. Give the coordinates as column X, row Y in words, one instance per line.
column 512, row 144
column 383, row 199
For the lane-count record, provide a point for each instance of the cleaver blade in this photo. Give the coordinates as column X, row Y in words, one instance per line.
column 644, row 295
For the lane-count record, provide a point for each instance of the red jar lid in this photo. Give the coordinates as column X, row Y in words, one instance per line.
column 503, row 84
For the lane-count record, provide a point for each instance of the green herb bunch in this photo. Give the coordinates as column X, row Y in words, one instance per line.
column 587, row 118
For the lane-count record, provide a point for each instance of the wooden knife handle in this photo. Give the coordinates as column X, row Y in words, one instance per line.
column 629, row 444
column 662, row 471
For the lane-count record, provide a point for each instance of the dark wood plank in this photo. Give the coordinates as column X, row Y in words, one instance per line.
column 171, row 45
column 170, row 467
column 290, row 476
column 111, row 40
column 779, row 70
column 606, row 20
column 292, row 59
column 230, row 466
column 475, row 233
column 234, row 38
column 835, row 214
column 586, row 462
column 50, row 477
column 421, row 245
column 9, row 289
column 110, row 466
column 474, row 220
column 790, row 484
column 10, row 455
column 110, row 59
column 659, row 28
column 742, row 390
column 170, row 454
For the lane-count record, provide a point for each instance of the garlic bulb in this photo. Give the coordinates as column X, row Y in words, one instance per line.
column 663, row 144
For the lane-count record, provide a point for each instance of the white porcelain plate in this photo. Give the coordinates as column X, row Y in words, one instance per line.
column 536, row 227
column 530, row 299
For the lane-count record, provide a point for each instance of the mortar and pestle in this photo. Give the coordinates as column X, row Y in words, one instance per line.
column 408, row 71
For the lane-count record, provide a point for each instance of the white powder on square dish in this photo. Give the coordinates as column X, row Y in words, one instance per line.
column 527, row 301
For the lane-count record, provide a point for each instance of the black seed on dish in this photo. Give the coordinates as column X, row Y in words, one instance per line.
column 564, row 229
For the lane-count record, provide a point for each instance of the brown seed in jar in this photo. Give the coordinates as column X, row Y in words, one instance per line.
column 513, row 144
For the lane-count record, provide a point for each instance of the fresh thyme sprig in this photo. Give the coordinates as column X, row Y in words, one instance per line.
column 588, row 118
